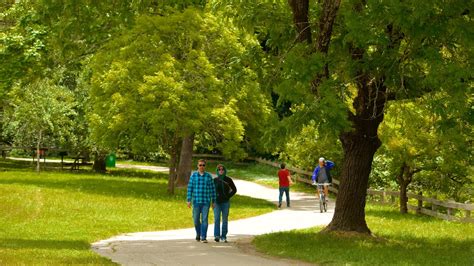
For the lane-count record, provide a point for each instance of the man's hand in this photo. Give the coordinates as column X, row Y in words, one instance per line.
column 189, row 204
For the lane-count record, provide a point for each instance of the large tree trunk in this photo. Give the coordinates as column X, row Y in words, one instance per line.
column 349, row 214
column 359, row 146
column 99, row 163
column 173, row 164
column 185, row 161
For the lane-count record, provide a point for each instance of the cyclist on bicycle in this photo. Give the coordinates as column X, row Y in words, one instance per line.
column 322, row 175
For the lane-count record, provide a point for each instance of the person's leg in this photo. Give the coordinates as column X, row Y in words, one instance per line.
column 204, row 222
column 280, row 196
column 196, row 218
column 225, row 219
column 326, row 191
column 287, row 192
column 217, row 220
column 320, row 189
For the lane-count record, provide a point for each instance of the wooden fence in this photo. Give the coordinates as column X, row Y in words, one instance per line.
column 384, row 196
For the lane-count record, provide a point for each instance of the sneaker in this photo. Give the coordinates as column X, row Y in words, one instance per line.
column 279, row 205
column 204, row 241
column 198, row 238
column 225, row 240
column 216, row 239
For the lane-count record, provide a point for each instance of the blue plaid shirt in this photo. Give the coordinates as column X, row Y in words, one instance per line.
column 201, row 188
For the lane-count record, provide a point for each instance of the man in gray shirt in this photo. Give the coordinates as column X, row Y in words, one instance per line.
column 322, row 174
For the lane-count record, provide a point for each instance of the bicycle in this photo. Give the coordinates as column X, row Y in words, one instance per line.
column 322, row 197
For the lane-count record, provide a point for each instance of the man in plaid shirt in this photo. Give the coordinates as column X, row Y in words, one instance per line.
column 202, row 192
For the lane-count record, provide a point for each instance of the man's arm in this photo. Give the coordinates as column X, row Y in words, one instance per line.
column 189, row 194
column 329, row 164
column 212, row 189
column 315, row 174
column 289, row 177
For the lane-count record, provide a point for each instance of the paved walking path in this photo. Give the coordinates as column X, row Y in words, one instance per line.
column 178, row 247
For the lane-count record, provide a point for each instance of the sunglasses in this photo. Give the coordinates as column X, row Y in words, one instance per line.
column 201, row 165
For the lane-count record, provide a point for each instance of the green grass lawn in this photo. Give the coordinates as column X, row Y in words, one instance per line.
column 52, row 217
column 399, row 240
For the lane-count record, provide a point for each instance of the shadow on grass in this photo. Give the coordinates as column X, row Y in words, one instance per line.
column 123, row 188
column 53, row 167
column 115, row 183
column 9, row 165
column 43, row 244
column 330, row 249
column 147, row 174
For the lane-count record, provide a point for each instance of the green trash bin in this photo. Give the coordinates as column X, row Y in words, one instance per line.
column 110, row 160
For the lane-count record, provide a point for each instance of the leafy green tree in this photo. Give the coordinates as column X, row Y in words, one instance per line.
column 362, row 55
column 39, row 114
column 408, row 145
column 169, row 78
column 50, row 38
column 418, row 150
column 304, row 149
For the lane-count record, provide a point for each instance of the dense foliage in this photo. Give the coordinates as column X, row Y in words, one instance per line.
column 172, row 76
column 137, row 76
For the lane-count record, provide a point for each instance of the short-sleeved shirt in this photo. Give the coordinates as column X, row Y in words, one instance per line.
column 283, row 177
column 201, row 188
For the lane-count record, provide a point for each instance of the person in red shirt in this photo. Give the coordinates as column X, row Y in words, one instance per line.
column 284, row 184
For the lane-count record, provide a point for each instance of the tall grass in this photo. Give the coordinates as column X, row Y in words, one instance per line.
column 52, row 217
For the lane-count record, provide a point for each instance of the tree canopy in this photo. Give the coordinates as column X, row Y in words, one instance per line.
column 298, row 79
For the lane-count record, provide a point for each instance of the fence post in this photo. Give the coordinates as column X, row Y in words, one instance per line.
column 468, row 214
column 383, row 197
column 450, row 210
column 420, row 203
column 434, row 206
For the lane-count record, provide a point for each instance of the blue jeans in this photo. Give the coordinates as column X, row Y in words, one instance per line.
column 221, row 208
column 287, row 192
column 200, row 215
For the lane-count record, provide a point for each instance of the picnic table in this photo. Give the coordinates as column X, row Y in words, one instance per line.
column 78, row 161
